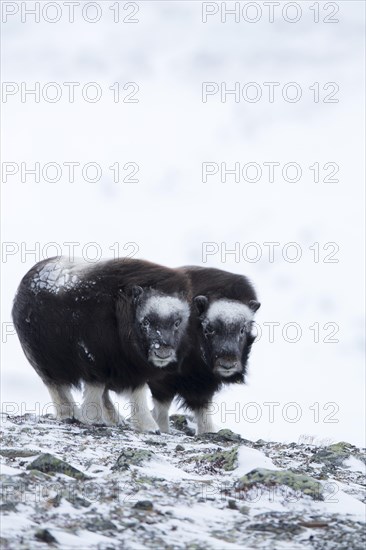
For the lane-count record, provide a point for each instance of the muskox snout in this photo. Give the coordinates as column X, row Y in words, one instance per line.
column 227, row 366
column 162, row 355
column 163, row 352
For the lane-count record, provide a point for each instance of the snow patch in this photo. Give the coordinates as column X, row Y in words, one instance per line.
column 59, row 275
column 229, row 312
column 165, row 306
column 249, row 459
column 9, row 470
column 162, row 469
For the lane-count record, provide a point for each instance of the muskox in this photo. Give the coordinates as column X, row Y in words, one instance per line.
column 111, row 325
column 221, row 337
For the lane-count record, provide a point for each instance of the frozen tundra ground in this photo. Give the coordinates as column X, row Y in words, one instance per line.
column 67, row 485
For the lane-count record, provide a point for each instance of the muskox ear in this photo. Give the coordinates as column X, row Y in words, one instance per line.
column 137, row 292
column 201, row 303
column 254, row 305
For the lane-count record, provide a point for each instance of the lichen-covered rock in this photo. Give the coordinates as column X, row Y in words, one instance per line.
column 222, row 436
column 333, row 455
column 18, row 453
column 48, row 463
column 225, row 460
column 180, row 423
column 268, row 478
column 132, row 457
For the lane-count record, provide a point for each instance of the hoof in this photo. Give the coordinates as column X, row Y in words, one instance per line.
column 154, row 432
column 71, row 421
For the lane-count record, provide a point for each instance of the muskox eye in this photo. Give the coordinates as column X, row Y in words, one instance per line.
column 242, row 331
column 209, row 331
column 177, row 323
column 145, row 323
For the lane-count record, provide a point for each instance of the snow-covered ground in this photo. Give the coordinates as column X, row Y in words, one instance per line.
column 315, row 388
column 120, row 489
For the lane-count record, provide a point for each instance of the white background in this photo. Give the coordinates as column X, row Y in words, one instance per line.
column 170, row 212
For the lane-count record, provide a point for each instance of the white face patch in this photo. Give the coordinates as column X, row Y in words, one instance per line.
column 229, row 312
column 164, row 306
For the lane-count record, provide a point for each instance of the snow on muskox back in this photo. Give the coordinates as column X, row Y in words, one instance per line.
column 221, row 338
column 111, row 325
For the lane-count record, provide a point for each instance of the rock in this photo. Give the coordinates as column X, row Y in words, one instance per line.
column 132, row 457
column 333, row 455
column 47, row 463
column 45, row 536
column 360, row 456
column 14, row 453
column 232, row 504
column 55, row 501
column 8, row 507
column 180, row 448
column 180, row 423
column 73, row 420
column 226, row 460
column 100, row 524
column 155, row 443
column 37, row 476
column 314, row 524
column 297, row 482
column 97, row 431
column 144, row 505
column 223, row 436
column 282, row 527
column 78, row 501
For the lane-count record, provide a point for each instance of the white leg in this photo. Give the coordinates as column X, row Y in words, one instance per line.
column 141, row 418
column 63, row 401
column 92, row 408
column 160, row 413
column 110, row 413
column 204, row 420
